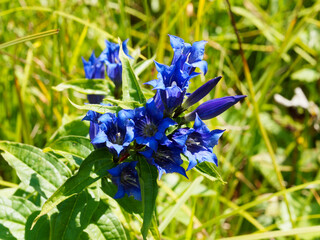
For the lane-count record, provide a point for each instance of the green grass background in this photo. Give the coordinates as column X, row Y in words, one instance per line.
column 267, row 149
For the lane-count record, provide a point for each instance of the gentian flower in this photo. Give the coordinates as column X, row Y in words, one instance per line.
column 110, row 56
column 188, row 56
column 116, row 132
column 126, row 178
column 214, row 107
column 167, row 159
column 171, row 85
column 197, row 143
column 150, row 126
column 93, row 117
column 94, row 69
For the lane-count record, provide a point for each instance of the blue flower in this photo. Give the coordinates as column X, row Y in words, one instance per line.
column 93, row 117
column 116, row 132
column 214, row 107
column 187, row 56
column 167, row 159
column 150, row 126
column 197, row 143
column 110, row 56
column 126, row 178
column 94, row 69
column 171, row 85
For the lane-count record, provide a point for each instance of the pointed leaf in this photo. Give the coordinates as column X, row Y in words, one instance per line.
column 42, row 171
column 209, row 170
column 14, row 212
column 105, row 225
column 149, row 190
column 97, row 107
column 131, row 89
column 87, row 86
column 74, row 216
column 41, row 230
column 75, row 145
column 75, row 127
column 93, row 168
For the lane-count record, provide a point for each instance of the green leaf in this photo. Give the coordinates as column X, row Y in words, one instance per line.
column 154, row 228
column 14, row 212
column 41, row 230
column 97, row 107
column 76, row 145
column 123, row 104
column 209, row 170
column 105, row 225
column 74, row 215
column 94, row 167
column 87, row 86
column 42, row 171
column 131, row 89
column 149, row 190
column 129, row 204
column 140, row 67
column 75, row 127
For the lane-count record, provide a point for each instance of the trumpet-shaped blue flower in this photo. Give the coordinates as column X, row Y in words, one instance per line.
column 214, row 107
column 197, row 143
column 150, row 126
column 126, row 178
column 167, row 159
column 93, row 117
column 110, row 56
column 171, row 85
column 116, row 132
column 188, row 56
column 94, row 69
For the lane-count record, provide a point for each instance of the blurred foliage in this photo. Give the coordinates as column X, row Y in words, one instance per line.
column 281, row 41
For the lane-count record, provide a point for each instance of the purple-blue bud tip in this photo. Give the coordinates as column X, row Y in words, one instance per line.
column 214, row 107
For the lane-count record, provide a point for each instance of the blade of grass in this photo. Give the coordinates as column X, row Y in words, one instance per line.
column 256, row 202
column 256, row 113
column 281, row 233
column 29, row 38
column 179, row 203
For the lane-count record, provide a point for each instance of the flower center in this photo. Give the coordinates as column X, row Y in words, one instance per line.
column 128, row 178
column 150, row 130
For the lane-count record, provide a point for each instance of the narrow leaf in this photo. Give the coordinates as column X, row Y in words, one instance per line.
column 209, row 170
column 123, row 104
column 42, row 171
column 29, row 38
column 97, row 107
column 93, row 168
column 149, row 190
column 87, row 86
column 130, row 86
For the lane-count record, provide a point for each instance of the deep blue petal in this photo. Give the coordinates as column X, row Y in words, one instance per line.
column 201, row 92
column 213, row 108
column 202, row 65
column 197, row 51
column 101, row 137
column 125, row 48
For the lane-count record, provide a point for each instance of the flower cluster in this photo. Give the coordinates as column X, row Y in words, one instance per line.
column 159, row 130
column 95, row 68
